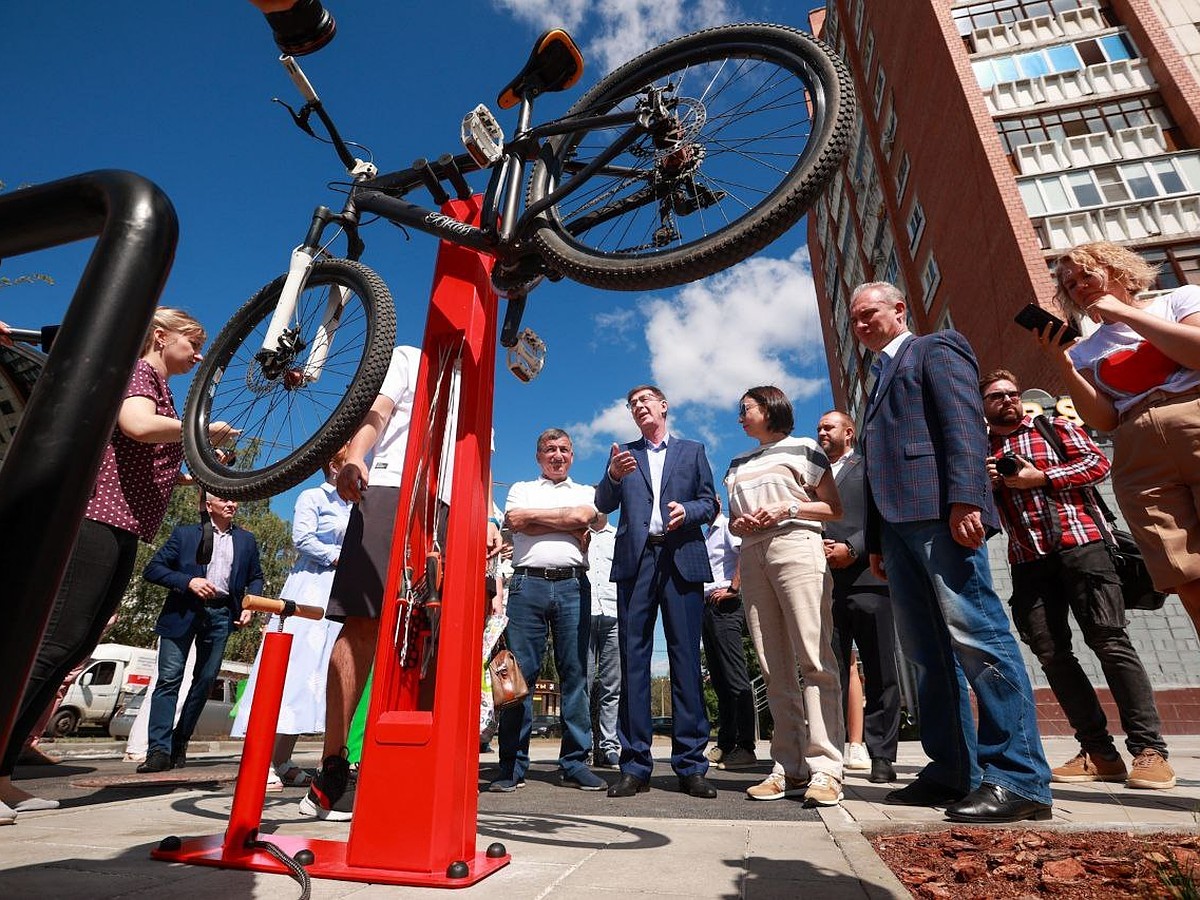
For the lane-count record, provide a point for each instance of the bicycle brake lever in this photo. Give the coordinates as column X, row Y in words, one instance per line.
column 300, row 119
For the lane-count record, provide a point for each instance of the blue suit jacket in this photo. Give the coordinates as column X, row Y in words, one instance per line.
column 174, row 565
column 924, row 437
column 686, row 479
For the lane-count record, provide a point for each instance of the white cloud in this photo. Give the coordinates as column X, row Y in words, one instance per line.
column 618, row 30
column 753, row 324
column 613, row 423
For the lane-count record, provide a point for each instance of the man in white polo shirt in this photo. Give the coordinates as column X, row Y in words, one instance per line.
column 549, row 519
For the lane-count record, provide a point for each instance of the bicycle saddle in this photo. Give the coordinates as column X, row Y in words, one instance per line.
column 554, row 65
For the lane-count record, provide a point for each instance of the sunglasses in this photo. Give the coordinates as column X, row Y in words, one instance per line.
column 996, row 396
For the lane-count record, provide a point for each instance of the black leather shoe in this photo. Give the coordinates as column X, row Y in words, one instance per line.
column 697, row 786
column 923, row 793
column 627, row 786
column 179, row 760
column 156, row 761
column 882, row 772
column 992, row 803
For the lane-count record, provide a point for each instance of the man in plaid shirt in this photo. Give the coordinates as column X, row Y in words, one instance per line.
column 1060, row 563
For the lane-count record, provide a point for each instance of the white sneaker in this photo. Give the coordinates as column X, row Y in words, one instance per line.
column 857, row 758
column 823, row 790
column 274, row 782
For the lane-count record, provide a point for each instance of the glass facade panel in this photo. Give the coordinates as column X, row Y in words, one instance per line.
column 1190, row 167
column 1141, row 185
column 1032, row 198
column 1170, row 180
column 1062, row 59
column 1055, row 194
column 1085, row 190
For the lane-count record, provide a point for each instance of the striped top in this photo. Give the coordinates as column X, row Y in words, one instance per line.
column 787, row 470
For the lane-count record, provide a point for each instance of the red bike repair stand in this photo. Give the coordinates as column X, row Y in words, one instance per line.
column 415, row 812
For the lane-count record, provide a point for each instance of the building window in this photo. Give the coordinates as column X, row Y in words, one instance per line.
column 1105, row 118
column 892, row 271
column 1060, row 58
column 868, row 52
column 1126, row 182
column 931, row 277
column 945, row 323
column 859, row 9
column 916, row 225
column 1004, row 12
column 831, row 24
column 889, row 130
column 902, row 177
column 1177, row 265
column 880, row 85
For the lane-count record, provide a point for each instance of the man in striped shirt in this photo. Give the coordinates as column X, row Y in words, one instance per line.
column 1060, row 563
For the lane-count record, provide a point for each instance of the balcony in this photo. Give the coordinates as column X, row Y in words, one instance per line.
column 1099, row 80
column 1090, row 149
column 1038, row 30
column 1126, row 222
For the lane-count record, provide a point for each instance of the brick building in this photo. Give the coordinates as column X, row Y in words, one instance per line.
column 992, row 135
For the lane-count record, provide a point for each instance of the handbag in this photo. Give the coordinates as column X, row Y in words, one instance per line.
column 508, row 684
column 1137, row 587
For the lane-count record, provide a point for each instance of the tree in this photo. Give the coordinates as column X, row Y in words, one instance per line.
column 142, row 602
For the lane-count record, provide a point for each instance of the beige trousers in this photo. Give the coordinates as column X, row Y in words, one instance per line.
column 788, row 594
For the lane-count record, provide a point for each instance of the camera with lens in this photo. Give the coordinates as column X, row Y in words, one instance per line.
column 1008, row 465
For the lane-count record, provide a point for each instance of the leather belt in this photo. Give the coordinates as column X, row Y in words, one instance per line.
column 551, row 573
column 656, row 540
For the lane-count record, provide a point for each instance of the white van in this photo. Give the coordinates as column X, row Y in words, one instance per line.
column 113, row 671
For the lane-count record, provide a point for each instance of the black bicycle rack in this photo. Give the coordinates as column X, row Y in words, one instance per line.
column 51, row 465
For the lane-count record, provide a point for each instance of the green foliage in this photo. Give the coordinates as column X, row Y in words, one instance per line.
column 142, row 601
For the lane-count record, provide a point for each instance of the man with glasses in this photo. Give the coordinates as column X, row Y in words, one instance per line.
column 664, row 488
column 1060, row 564
column 930, row 512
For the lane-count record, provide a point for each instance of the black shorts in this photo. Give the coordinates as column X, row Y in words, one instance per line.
column 362, row 567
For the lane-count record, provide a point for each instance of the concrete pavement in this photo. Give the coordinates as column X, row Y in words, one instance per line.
column 564, row 843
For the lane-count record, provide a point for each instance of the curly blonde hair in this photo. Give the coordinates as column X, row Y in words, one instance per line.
column 1107, row 259
column 175, row 320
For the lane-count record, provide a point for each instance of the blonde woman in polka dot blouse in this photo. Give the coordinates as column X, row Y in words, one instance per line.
column 141, row 465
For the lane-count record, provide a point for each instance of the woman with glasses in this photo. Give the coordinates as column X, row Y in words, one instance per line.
column 1138, row 376
column 779, row 494
column 141, row 466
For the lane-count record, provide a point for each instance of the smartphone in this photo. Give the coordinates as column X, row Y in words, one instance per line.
column 1035, row 318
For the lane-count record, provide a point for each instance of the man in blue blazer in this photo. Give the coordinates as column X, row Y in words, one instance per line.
column 204, row 605
column 930, row 513
column 664, row 488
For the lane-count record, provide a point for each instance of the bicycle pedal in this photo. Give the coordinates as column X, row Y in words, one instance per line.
column 527, row 356
column 482, row 136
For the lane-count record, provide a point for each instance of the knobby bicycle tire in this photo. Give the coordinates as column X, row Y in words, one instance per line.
column 738, row 90
column 289, row 429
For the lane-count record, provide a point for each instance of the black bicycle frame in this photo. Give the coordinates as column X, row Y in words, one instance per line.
column 507, row 175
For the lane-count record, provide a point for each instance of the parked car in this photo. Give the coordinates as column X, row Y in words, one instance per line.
column 546, row 727
column 216, row 719
column 113, row 672
column 661, row 724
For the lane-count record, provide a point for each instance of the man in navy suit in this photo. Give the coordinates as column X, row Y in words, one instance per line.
column 664, row 488
column 930, row 512
column 204, row 605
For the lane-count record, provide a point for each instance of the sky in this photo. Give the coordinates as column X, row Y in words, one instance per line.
column 180, row 93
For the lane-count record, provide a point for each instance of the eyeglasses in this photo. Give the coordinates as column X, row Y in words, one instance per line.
column 744, row 408
column 643, row 400
column 997, row 396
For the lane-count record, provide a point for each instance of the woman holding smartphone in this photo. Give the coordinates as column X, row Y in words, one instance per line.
column 1138, row 376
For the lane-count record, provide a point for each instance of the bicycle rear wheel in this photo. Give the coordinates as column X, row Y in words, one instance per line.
column 760, row 117
column 291, row 421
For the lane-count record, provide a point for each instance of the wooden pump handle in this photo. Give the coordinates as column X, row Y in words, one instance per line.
column 281, row 607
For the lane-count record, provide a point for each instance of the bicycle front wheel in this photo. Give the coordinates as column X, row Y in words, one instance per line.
column 752, row 122
column 297, row 402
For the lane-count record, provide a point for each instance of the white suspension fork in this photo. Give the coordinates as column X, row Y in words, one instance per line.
column 285, row 310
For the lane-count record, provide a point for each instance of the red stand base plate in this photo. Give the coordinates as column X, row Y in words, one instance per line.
column 329, row 862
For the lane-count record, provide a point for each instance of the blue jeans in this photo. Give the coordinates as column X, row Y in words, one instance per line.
column 210, row 630
column 565, row 607
column 953, row 628
column 604, row 666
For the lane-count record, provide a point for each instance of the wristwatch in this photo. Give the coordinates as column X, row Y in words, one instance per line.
column 793, row 510
column 850, row 549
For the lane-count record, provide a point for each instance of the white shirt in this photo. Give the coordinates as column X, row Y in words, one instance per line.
column 558, row 548
column 600, row 556
column 220, row 565
column 399, row 385
column 724, row 547
column 657, row 454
